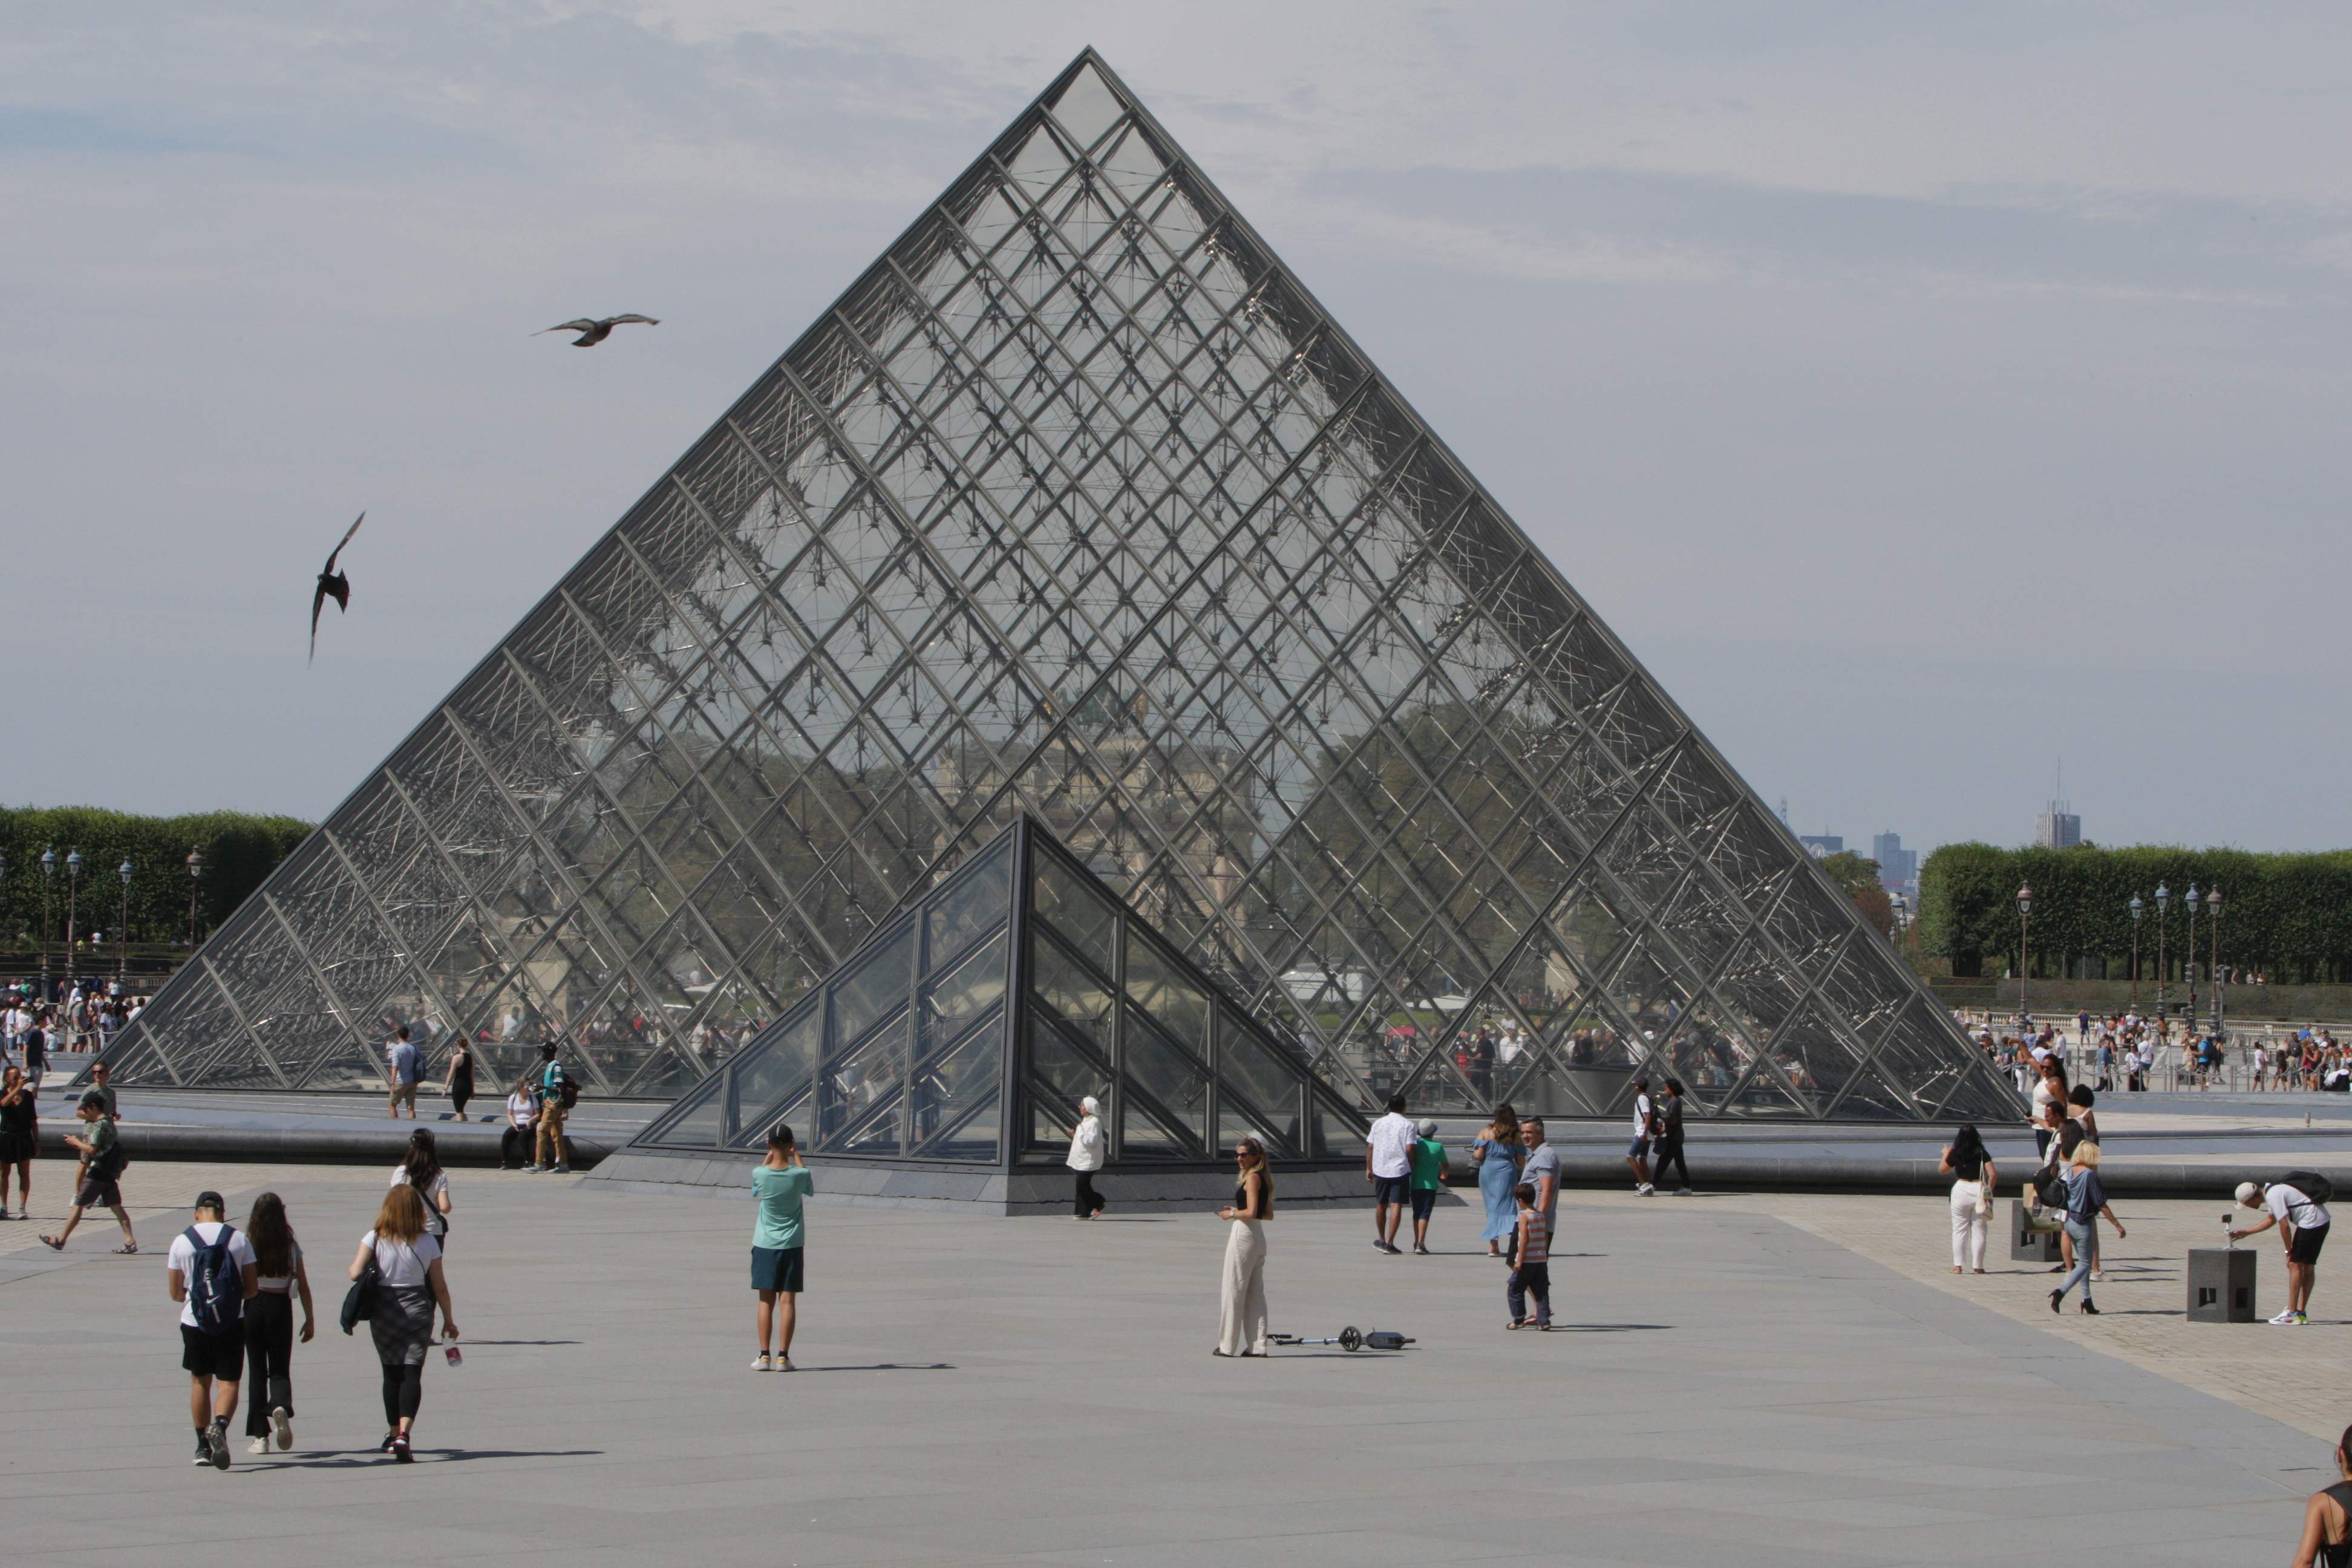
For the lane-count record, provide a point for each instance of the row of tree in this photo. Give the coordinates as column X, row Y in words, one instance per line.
column 2288, row 917
column 239, row 849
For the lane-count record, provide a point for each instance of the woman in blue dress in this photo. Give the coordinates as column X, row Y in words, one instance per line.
column 1497, row 1155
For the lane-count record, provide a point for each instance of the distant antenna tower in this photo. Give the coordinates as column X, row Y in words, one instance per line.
column 1784, row 811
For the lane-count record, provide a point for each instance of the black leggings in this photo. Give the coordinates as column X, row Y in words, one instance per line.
column 515, row 1146
column 269, row 1355
column 1087, row 1203
column 1670, row 1152
column 404, row 1391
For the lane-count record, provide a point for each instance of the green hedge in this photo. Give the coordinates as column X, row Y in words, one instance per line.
column 239, row 851
column 2288, row 916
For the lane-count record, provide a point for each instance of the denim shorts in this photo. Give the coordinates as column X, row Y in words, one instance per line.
column 1390, row 1190
column 1636, row 1150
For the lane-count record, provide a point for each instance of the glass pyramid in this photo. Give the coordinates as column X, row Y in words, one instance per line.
column 903, row 1054
column 1076, row 504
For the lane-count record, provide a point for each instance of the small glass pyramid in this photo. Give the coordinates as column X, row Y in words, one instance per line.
column 908, row 1053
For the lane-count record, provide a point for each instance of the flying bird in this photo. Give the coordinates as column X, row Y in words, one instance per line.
column 332, row 584
column 594, row 333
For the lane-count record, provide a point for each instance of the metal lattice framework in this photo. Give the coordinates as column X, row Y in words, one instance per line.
column 1078, row 504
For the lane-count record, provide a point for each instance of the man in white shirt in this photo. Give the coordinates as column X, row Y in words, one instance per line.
column 213, row 1353
column 2301, row 1222
column 1388, row 1165
column 1637, row 1153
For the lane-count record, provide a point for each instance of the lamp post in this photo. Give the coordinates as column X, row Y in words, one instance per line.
column 122, row 938
column 2189, row 960
column 2163, row 900
column 2137, row 910
column 73, row 894
column 2213, row 912
column 2024, row 913
column 49, row 874
column 4, row 893
column 196, row 880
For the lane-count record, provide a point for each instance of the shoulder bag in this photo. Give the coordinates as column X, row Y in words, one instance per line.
column 359, row 1302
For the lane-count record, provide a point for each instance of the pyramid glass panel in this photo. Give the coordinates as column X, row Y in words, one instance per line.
column 1076, row 504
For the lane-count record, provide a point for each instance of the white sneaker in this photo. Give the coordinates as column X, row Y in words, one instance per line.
column 258, row 1446
column 1645, row 1190
column 282, row 1427
column 2283, row 1319
column 784, row 1363
column 760, row 1362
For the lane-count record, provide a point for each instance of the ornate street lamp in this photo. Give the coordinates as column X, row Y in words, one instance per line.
column 122, row 938
column 196, row 880
column 73, row 892
column 4, row 893
column 2137, row 910
column 49, row 874
column 2188, row 960
column 2024, row 913
column 2163, row 902
column 2214, row 910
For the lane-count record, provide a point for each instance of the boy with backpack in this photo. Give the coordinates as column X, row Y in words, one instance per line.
column 211, row 1273
column 2298, row 1207
column 99, row 1178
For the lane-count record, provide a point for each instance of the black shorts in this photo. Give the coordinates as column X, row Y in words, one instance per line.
column 2307, row 1244
column 1390, row 1190
column 776, row 1268
column 1425, row 1201
column 220, row 1356
column 94, row 1193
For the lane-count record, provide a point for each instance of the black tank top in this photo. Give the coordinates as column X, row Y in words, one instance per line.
column 2337, row 1555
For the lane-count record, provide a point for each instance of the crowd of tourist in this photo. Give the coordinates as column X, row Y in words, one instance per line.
column 2128, row 1052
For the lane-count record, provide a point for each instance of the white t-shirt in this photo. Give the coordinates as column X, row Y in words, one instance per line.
column 1641, row 1116
column 2288, row 1204
column 1087, row 1144
column 521, row 1109
column 401, row 1262
column 434, row 1192
column 1392, row 1139
column 182, row 1259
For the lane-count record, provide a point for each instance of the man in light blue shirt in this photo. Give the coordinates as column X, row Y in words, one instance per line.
column 406, row 1070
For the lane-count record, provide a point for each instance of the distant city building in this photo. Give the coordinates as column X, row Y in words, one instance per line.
column 1822, row 846
column 2057, row 829
column 1898, row 868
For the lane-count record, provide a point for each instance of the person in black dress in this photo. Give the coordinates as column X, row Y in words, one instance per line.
column 460, row 1083
column 19, row 1137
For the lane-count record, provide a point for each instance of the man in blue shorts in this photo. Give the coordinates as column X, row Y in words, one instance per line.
column 1388, row 1165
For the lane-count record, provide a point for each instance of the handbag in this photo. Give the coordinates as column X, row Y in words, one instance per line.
column 359, row 1302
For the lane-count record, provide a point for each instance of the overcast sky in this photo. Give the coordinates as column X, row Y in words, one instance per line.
column 1924, row 392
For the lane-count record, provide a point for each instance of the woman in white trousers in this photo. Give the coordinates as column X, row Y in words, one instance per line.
column 1969, row 1164
column 1245, row 1305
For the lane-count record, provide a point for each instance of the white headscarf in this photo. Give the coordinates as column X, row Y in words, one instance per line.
column 1090, row 1106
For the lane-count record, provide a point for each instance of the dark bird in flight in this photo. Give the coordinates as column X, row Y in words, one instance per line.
column 594, row 333
column 332, row 584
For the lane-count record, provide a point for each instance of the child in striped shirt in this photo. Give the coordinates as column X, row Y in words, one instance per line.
column 1530, row 1264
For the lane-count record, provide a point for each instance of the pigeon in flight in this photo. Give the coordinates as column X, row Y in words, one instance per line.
column 594, row 333
column 332, row 584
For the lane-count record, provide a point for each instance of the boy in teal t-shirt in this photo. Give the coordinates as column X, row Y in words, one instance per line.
column 1427, row 1178
column 780, row 1184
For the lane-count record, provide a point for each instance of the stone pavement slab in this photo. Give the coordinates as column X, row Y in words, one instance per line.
column 1732, row 1385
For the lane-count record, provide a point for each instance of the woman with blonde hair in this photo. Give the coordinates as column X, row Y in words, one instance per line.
column 1244, row 1330
column 2086, row 1200
column 409, row 1284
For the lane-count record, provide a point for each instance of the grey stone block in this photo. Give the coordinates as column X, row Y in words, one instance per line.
column 2222, row 1285
column 2028, row 1242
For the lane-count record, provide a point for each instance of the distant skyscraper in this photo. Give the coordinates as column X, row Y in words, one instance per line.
column 1898, row 868
column 2057, row 829
column 1820, row 846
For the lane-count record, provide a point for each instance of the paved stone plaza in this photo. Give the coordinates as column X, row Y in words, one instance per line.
column 1754, row 1379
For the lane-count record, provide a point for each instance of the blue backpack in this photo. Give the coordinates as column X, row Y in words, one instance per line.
column 215, row 1283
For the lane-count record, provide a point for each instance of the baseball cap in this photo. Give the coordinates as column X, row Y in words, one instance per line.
column 2250, row 1192
column 209, row 1199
